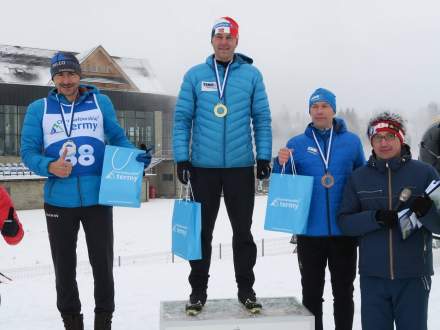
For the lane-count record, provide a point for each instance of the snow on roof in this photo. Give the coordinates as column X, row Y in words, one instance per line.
column 141, row 73
column 31, row 66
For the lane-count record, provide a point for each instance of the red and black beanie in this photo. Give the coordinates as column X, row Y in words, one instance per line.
column 387, row 122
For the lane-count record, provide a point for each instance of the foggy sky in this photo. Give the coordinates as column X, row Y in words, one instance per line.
column 372, row 54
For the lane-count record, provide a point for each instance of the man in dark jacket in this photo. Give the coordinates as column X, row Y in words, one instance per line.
column 328, row 152
column 395, row 273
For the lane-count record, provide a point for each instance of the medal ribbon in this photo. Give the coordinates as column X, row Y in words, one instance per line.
column 221, row 87
column 63, row 115
column 326, row 160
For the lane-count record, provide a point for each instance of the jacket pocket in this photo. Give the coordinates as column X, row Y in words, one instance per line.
column 370, row 194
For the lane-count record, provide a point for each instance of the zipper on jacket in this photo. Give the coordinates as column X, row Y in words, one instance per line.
column 390, row 231
column 224, row 127
column 224, row 142
column 424, row 248
column 79, row 191
column 327, row 198
column 327, row 193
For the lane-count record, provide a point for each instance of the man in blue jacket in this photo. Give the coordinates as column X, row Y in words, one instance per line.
column 395, row 273
column 329, row 153
column 219, row 104
column 63, row 138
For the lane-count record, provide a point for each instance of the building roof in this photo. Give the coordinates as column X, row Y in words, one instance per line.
column 31, row 66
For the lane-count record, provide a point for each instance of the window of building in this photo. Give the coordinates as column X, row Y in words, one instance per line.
column 138, row 126
column 9, row 135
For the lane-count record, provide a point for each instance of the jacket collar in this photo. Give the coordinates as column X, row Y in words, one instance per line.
column 84, row 92
column 339, row 127
column 394, row 163
column 239, row 59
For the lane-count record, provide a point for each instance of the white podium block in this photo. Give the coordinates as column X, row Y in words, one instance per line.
column 284, row 313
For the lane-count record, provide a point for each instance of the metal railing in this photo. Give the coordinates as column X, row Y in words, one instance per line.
column 265, row 247
column 221, row 251
column 14, row 169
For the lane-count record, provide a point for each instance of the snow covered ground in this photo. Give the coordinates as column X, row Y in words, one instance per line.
column 144, row 279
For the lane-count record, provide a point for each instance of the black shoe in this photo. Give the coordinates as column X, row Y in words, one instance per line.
column 103, row 321
column 249, row 301
column 253, row 306
column 73, row 321
column 197, row 300
column 193, row 309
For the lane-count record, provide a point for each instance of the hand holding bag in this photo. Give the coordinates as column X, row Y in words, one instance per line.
column 288, row 202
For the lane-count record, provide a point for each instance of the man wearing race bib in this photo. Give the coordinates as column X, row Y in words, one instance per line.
column 64, row 137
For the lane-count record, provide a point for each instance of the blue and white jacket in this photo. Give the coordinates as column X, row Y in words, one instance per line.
column 382, row 251
column 346, row 154
column 43, row 136
column 208, row 141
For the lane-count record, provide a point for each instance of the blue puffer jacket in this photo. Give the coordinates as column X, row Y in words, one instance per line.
column 222, row 142
column 346, row 154
column 72, row 191
column 382, row 252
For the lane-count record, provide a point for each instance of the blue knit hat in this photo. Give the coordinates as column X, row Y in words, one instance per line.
column 63, row 61
column 323, row 95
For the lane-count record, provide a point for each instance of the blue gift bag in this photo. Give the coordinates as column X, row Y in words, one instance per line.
column 121, row 180
column 186, row 229
column 288, row 202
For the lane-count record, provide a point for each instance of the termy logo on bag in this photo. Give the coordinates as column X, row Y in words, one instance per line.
column 286, row 203
column 180, row 229
column 122, row 176
column 118, row 173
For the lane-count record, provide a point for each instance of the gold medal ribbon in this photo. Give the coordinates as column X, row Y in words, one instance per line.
column 221, row 90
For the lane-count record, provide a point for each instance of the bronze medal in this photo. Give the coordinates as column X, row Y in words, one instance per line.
column 327, row 180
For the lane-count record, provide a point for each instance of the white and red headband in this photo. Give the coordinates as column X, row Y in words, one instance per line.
column 386, row 126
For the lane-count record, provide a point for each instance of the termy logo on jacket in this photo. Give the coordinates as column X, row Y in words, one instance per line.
column 86, row 140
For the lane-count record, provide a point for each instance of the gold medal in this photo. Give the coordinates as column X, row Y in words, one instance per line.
column 220, row 110
column 327, row 180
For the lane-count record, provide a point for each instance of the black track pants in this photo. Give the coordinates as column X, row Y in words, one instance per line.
column 238, row 186
column 62, row 226
column 341, row 254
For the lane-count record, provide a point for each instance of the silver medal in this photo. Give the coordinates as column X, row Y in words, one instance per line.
column 71, row 148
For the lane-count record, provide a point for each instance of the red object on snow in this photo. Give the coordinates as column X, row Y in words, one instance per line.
column 5, row 205
column 152, row 192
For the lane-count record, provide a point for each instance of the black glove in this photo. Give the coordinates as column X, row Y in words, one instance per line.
column 263, row 169
column 184, row 171
column 10, row 226
column 386, row 218
column 145, row 158
column 421, row 205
